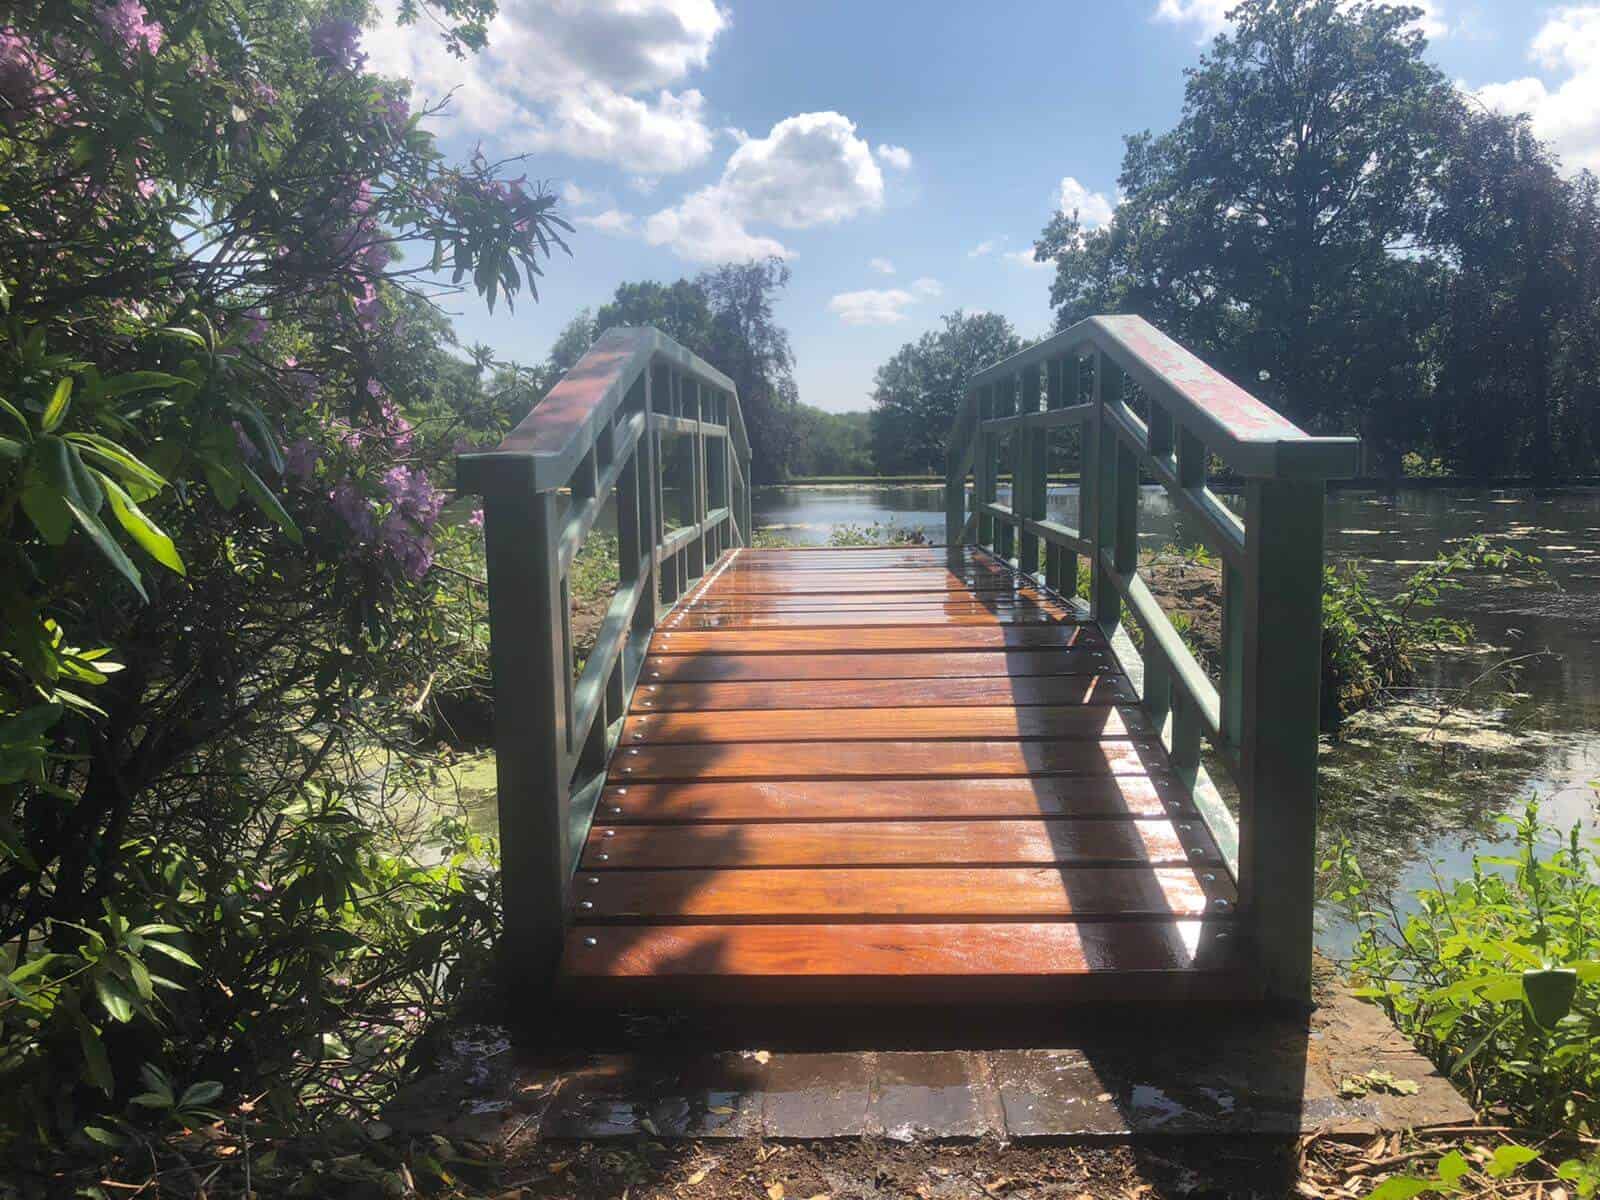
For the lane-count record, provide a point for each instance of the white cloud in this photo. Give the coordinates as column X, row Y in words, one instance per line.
column 612, row 220
column 897, row 157
column 811, row 169
column 882, row 306
column 1093, row 208
column 1568, row 115
column 1024, row 258
column 987, row 246
column 881, row 265
column 590, row 78
column 575, row 195
column 1210, row 16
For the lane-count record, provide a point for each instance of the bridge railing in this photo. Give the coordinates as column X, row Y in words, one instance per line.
column 635, row 410
column 1261, row 716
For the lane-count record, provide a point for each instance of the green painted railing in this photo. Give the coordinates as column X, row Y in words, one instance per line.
column 641, row 424
column 1144, row 408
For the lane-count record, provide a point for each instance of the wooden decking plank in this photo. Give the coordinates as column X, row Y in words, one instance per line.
column 832, row 894
column 833, row 585
column 878, row 693
column 864, row 618
column 1040, row 797
column 936, row 601
column 991, row 722
column 883, row 760
column 667, row 642
column 1152, row 842
column 931, row 951
column 1089, row 656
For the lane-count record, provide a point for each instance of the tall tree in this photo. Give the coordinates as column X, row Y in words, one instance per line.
column 725, row 316
column 1270, row 230
column 749, row 346
column 917, row 393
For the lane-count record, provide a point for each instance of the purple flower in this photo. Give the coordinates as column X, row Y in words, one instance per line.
column 352, row 506
column 127, row 21
column 338, row 42
column 368, row 307
column 412, row 551
column 476, row 519
column 300, row 458
column 410, row 493
column 22, row 75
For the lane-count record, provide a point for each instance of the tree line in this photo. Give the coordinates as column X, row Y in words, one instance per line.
column 1341, row 230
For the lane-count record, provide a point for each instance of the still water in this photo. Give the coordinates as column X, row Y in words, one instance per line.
column 1413, row 800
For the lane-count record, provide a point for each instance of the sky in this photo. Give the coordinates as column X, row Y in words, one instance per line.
column 900, row 156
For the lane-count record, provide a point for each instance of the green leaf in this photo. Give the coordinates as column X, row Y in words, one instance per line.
column 56, row 410
column 1400, row 1187
column 114, row 997
column 1549, row 994
column 29, row 724
column 172, row 952
column 269, row 504
column 12, row 449
column 224, row 483
column 48, row 512
column 97, row 1064
column 104, row 1136
column 200, row 1093
column 1453, row 1167
column 142, row 529
column 1507, row 1160
column 116, row 458
column 107, row 545
column 185, row 335
column 15, row 413
column 142, row 381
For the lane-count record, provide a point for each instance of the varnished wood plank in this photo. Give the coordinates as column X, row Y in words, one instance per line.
column 929, row 953
column 865, row 640
column 1091, row 655
column 878, row 693
column 935, row 601
column 865, row 618
column 1152, row 842
column 882, row 760
column 832, row 584
column 1041, row 797
column 831, row 894
column 887, row 724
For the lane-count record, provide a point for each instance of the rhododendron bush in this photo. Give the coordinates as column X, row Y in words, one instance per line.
column 225, row 399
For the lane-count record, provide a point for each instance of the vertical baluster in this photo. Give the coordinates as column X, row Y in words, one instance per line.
column 1106, row 601
column 1280, row 610
column 532, row 689
column 694, row 398
column 1005, row 405
column 645, row 485
column 1031, row 447
column 984, row 488
column 1055, row 379
column 666, row 392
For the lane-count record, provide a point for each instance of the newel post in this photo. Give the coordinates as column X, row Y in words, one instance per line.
column 1280, row 627
column 529, row 659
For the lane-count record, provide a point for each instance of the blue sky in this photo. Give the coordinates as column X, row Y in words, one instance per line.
column 902, row 156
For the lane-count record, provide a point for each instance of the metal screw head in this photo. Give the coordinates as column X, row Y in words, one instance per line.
column 586, row 905
column 589, row 941
column 616, row 810
column 1186, row 827
column 633, row 751
column 593, row 879
column 603, row 857
column 1196, row 852
column 1209, row 877
column 609, row 833
column 1220, row 905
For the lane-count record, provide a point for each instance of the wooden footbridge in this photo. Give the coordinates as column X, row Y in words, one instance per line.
column 907, row 775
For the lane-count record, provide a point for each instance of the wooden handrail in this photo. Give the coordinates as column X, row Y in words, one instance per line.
column 596, row 439
column 1261, row 714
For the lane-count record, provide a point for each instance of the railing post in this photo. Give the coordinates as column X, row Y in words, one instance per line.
column 528, row 657
column 984, row 489
column 1116, row 498
column 1280, row 612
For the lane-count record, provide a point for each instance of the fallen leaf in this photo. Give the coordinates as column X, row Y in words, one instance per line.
column 998, row 1186
column 721, row 1109
column 649, row 1126
column 699, row 1176
column 762, row 1056
column 1104, row 1097
column 774, row 1191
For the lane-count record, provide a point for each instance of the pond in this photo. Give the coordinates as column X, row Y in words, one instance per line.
column 1413, row 799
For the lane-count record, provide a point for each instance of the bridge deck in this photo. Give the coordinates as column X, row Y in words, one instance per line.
column 861, row 775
